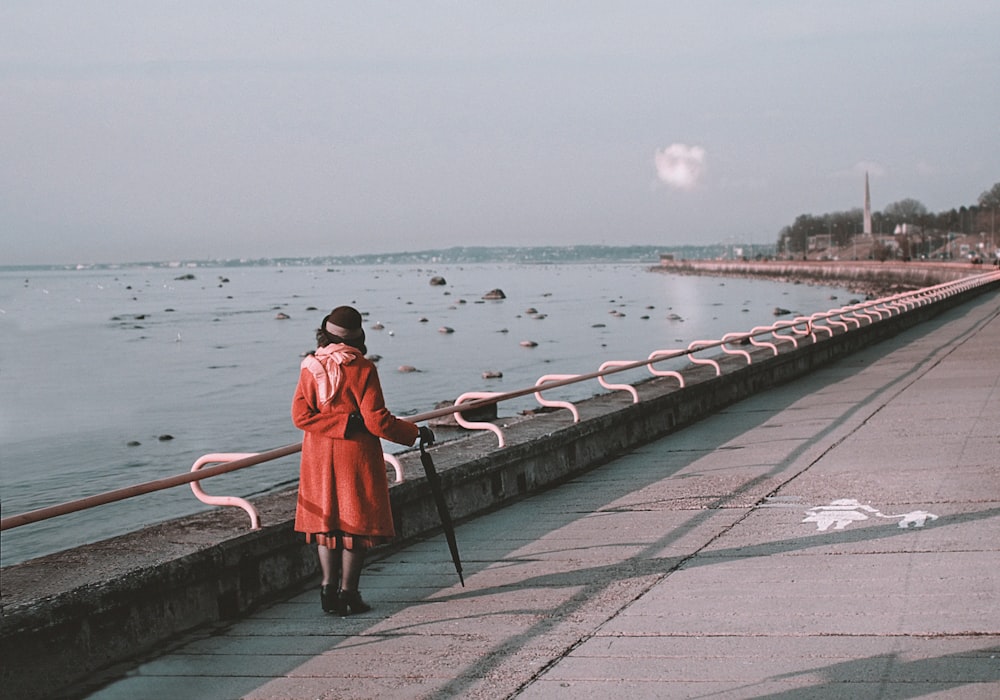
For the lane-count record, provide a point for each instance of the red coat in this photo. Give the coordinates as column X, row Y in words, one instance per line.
column 342, row 481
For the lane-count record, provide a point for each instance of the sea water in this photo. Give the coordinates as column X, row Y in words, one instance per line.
column 110, row 378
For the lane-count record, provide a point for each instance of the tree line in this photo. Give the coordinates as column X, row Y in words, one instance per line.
column 842, row 226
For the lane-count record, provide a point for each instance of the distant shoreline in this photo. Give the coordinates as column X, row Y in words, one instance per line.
column 873, row 279
column 457, row 255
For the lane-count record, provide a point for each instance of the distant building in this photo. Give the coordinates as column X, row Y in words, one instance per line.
column 820, row 241
column 890, row 242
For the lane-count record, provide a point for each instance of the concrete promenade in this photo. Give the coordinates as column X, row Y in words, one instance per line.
column 836, row 537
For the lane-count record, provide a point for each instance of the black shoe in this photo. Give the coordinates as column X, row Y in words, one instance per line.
column 349, row 603
column 328, row 598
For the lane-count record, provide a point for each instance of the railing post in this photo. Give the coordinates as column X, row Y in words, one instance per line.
column 478, row 425
column 620, row 387
column 556, row 404
column 216, row 458
column 663, row 355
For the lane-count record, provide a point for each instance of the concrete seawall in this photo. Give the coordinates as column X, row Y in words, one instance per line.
column 67, row 615
column 864, row 277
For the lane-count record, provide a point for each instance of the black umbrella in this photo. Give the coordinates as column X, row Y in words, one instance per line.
column 442, row 508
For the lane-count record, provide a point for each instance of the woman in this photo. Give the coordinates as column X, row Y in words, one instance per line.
column 343, row 502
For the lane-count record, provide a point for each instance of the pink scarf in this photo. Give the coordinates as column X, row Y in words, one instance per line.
column 325, row 367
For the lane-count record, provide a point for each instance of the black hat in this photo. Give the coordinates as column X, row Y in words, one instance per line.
column 344, row 322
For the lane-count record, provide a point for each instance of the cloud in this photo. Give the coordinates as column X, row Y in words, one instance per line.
column 680, row 166
column 871, row 167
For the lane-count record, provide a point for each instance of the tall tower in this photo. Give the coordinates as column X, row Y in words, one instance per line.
column 868, row 208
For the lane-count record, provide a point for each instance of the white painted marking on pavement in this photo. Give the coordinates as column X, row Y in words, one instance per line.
column 843, row 511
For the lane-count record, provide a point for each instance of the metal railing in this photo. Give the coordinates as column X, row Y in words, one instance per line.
column 791, row 331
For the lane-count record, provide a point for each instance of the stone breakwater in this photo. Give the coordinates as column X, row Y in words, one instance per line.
column 872, row 279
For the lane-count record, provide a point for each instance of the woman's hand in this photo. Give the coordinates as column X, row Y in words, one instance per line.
column 426, row 435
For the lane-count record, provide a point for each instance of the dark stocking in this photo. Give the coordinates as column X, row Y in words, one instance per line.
column 352, row 560
column 329, row 562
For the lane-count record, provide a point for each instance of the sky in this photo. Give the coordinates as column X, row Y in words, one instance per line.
column 184, row 130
